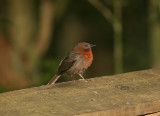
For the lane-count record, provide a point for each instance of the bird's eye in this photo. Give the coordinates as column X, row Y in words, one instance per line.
column 87, row 47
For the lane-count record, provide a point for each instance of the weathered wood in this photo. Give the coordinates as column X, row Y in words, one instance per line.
column 127, row 94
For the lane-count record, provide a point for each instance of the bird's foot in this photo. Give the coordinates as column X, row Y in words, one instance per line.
column 85, row 80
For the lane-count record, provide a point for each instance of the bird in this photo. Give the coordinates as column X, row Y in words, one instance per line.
column 75, row 62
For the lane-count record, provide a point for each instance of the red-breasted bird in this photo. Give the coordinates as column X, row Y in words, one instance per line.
column 76, row 62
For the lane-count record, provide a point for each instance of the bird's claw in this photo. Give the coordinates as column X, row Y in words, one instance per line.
column 84, row 80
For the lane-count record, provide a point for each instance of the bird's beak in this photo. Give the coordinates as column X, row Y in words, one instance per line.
column 92, row 45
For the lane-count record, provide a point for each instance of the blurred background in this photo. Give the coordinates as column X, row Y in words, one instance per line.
column 35, row 35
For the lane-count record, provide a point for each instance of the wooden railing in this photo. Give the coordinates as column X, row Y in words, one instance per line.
column 128, row 94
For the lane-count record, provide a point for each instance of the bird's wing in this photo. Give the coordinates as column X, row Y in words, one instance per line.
column 67, row 62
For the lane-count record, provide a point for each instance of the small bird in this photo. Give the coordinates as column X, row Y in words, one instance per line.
column 76, row 62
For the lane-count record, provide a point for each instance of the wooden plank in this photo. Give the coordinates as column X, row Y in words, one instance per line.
column 127, row 94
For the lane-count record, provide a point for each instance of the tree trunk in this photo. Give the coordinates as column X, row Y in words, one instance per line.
column 117, row 29
column 154, row 31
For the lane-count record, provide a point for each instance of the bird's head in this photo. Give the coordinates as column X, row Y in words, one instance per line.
column 83, row 47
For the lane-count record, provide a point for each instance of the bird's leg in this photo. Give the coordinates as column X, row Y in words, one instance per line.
column 72, row 76
column 81, row 76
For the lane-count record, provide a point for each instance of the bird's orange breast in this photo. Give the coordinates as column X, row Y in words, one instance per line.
column 88, row 56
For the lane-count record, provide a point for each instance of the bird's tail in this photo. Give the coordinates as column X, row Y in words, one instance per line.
column 54, row 79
